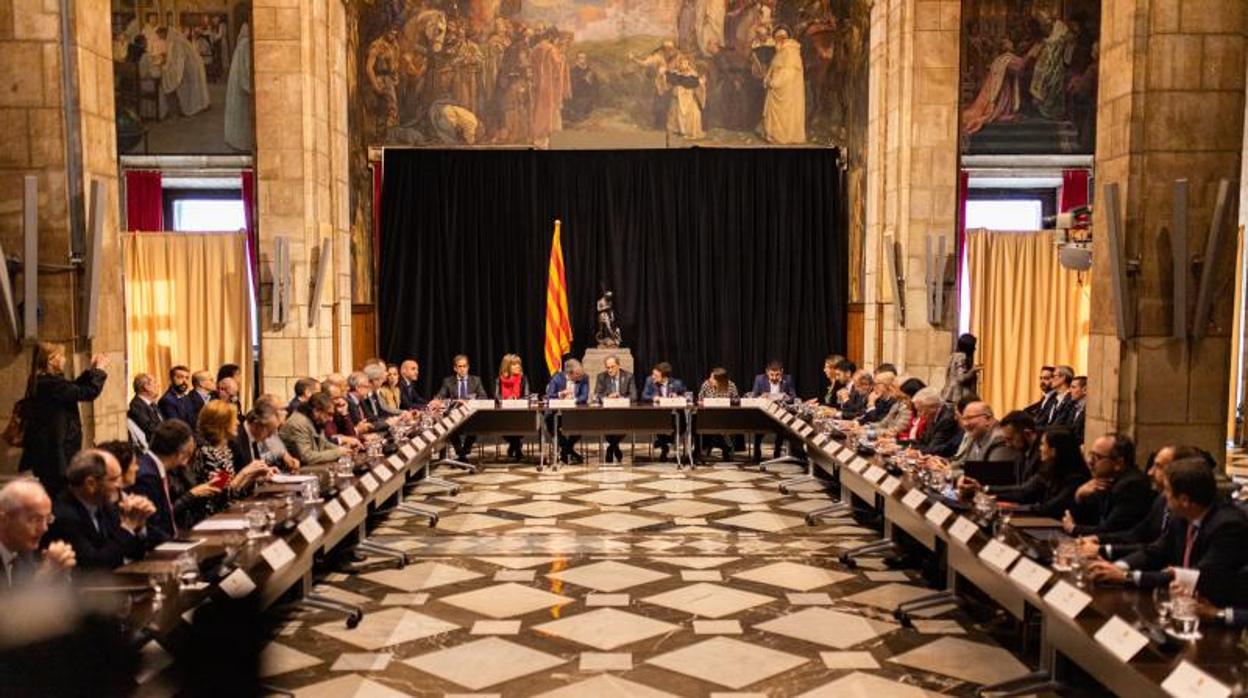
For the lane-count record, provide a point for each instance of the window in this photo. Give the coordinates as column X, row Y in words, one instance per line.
column 1004, row 214
column 193, row 210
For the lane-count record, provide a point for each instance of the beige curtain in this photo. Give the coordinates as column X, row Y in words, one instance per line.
column 1026, row 310
column 187, row 303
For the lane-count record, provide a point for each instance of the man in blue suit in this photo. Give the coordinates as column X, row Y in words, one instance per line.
column 661, row 384
column 571, row 384
column 775, row 385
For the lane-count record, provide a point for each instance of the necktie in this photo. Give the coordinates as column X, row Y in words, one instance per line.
column 1187, row 548
column 372, row 400
column 98, row 520
column 463, row 388
column 615, row 386
column 255, row 450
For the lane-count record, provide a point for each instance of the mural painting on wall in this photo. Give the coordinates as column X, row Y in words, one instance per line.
column 1029, row 76
column 610, row 74
column 183, row 77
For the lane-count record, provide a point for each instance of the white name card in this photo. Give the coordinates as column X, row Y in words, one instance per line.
column 334, row 511
column 396, row 461
column 237, row 584
column 382, row 473
column 616, row 402
column 1030, row 575
column 564, row 403
column 857, row 465
column 788, row 418
column 963, row 529
column 806, row 430
column 938, row 513
column 914, row 498
column 998, row 554
column 874, row 474
column 717, row 402
column 310, row 529
column 407, row 452
column 1067, row 599
column 439, row 429
column 890, row 485
column 755, row 402
column 514, row 404
column 1186, row 681
column 278, row 554
column 673, row 401
column 1122, row 640
column 370, row 483
column 351, row 497
column 421, row 441
column 480, row 404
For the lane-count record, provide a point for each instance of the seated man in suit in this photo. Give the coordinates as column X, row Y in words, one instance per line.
column 304, row 387
column 1079, row 404
column 985, row 439
column 661, row 384
column 376, row 372
column 1119, row 544
column 776, row 385
column 173, row 404
column 162, row 480
column 143, row 411
column 104, row 527
column 571, row 384
column 203, row 389
column 1117, row 497
column 462, row 386
column 254, row 440
column 1041, row 407
column 1061, row 407
column 409, row 395
column 936, row 431
column 614, row 382
column 304, row 433
column 25, row 512
column 1206, row 534
column 228, row 390
column 365, row 416
column 854, row 403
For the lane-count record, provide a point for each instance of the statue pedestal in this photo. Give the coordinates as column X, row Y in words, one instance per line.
column 595, row 358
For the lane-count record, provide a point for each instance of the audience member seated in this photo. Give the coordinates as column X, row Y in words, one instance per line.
column 1112, row 546
column 1049, row 490
column 174, row 403
column 304, row 433
column 614, row 382
column 1079, row 398
column 1021, row 434
column 986, row 441
column 375, row 370
column 462, row 386
column 661, row 384
column 231, row 371
column 1041, row 407
column 936, row 431
column 512, row 384
column 900, row 415
column 718, row 386
column 882, row 398
column 777, row 386
column 362, row 407
column 227, row 391
column 203, row 389
column 571, row 384
column 388, row 393
column 832, row 372
column 1061, row 407
column 163, row 480
column 25, row 513
column 340, row 429
column 1117, row 497
column 409, row 395
column 252, row 440
column 214, row 456
column 52, row 425
column 304, row 387
column 104, row 527
column 854, row 401
column 1205, row 534
column 127, row 458
column 273, row 444
column 143, row 411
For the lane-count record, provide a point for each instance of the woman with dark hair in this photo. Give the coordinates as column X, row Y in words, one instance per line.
column 1051, row 491
column 52, row 426
column 962, row 376
column 718, row 385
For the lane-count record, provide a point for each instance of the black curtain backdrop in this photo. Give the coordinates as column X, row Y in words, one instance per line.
column 716, row 256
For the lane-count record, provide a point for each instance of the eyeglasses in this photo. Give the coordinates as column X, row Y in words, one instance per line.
column 36, row 519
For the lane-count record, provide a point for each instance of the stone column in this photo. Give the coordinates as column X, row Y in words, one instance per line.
column 1171, row 105
column 912, row 170
column 39, row 129
column 301, row 160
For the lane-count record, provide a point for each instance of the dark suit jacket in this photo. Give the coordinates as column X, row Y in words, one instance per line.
column 880, row 411
column 674, row 387
column 24, row 567
column 409, row 397
column 1041, row 496
column 105, row 548
column 194, row 403
column 450, row 388
column 1076, row 421
column 559, row 382
column 1125, row 504
column 146, row 417
column 854, row 406
column 1059, row 414
column 1149, row 529
column 627, row 387
column 1217, row 551
column 160, row 526
column 1040, row 408
column 364, row 412
column 174, row 406
column 942, row 436
column 762, row 386
column 53, row 433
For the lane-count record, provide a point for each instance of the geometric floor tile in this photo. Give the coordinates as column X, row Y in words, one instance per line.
column 728, row 662
column 606, row 628
column 392, row 626
column 492, row 479
column 731, row 475
column 506, row 600
column 792, row 575
column 849, row 660
column 889, row 596
column 612, row 476
column 425, row 575
column 277, row 658
column 860, row 685
column 697, row 563
column 349, row 686
column 708, row 600
column 677, row 485
column 362, row 662
column 762, row 521
column 480, row 498
column 615, row 522
column 542, row 509
column 963, row 659
column 467, row 523
column 606, row 661
column 606, row 686
column 608, row 576
column 683, row 508
column 550, row 487
column 744, row 496
column 827, row 627
column 614, row 497
column 518, row 563
column 483, row 663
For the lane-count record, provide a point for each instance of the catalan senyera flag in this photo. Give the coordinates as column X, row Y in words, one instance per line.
column 558, row 328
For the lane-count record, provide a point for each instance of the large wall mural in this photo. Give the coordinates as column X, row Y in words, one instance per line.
column 183, row 76
column 607, row 74
column 1029, row 76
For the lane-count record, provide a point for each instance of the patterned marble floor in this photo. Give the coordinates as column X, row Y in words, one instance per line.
column 639, row 581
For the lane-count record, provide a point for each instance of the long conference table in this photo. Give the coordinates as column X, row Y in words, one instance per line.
column 1095, row 628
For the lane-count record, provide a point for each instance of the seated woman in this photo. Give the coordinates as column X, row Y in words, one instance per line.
column 1051, row 490
column 214, row 461
column 512, row 384
column 388, row 393
column 900, row 412
column 718, row 385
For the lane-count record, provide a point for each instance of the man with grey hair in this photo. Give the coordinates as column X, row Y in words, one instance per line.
column 255, row 440
column 103, row 526
column 376, row 373
column 143, row 411
column 227, row 390
column 936, row 432
column 614, row 382
column 25, row 513
column 572, row 384
column 855, row 403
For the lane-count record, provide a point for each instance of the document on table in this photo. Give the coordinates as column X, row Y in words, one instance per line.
column 221, row 524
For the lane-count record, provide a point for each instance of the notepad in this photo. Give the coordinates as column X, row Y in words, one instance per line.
column 290, row 479
column 221, row 524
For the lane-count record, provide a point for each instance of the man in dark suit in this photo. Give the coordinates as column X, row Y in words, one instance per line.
column 409, row 396
column 104, row 527
column 173, row 404
column 251, row 443
column 855, row 403
column 1041, row 407
column 360, row 408
column 143, row 411
column 1062, row 407
column 1205, row 534
column 1079, row 403
column 304, row 387
column 938, row 432
column 171, row 448
column 25, row 512
column 1119, row 544
column 776, row 385
column 660, row 383
column 203, row 389
column 462, row 386
column 571, row 384
column 1117, row 497
column 614, row 382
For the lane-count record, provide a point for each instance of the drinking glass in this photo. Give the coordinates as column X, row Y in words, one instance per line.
column 257, row 522
column 1003, row 522
column 1080, row 568
column 312, row 491
column 187, row 570
column 1186, row 620
column 1163, row 604
column 1064, row 556
column 985, row 505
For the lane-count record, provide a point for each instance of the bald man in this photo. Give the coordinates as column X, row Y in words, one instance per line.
column 203, row 389
column 228, row 390
column 104, row 527
column 25, row 512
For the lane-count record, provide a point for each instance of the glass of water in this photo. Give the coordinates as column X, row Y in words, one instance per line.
column 187, row 570
column 1186, row 620
column 1162, row 602
column 312, row 491
column 257, row 522
column 1064, row 555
